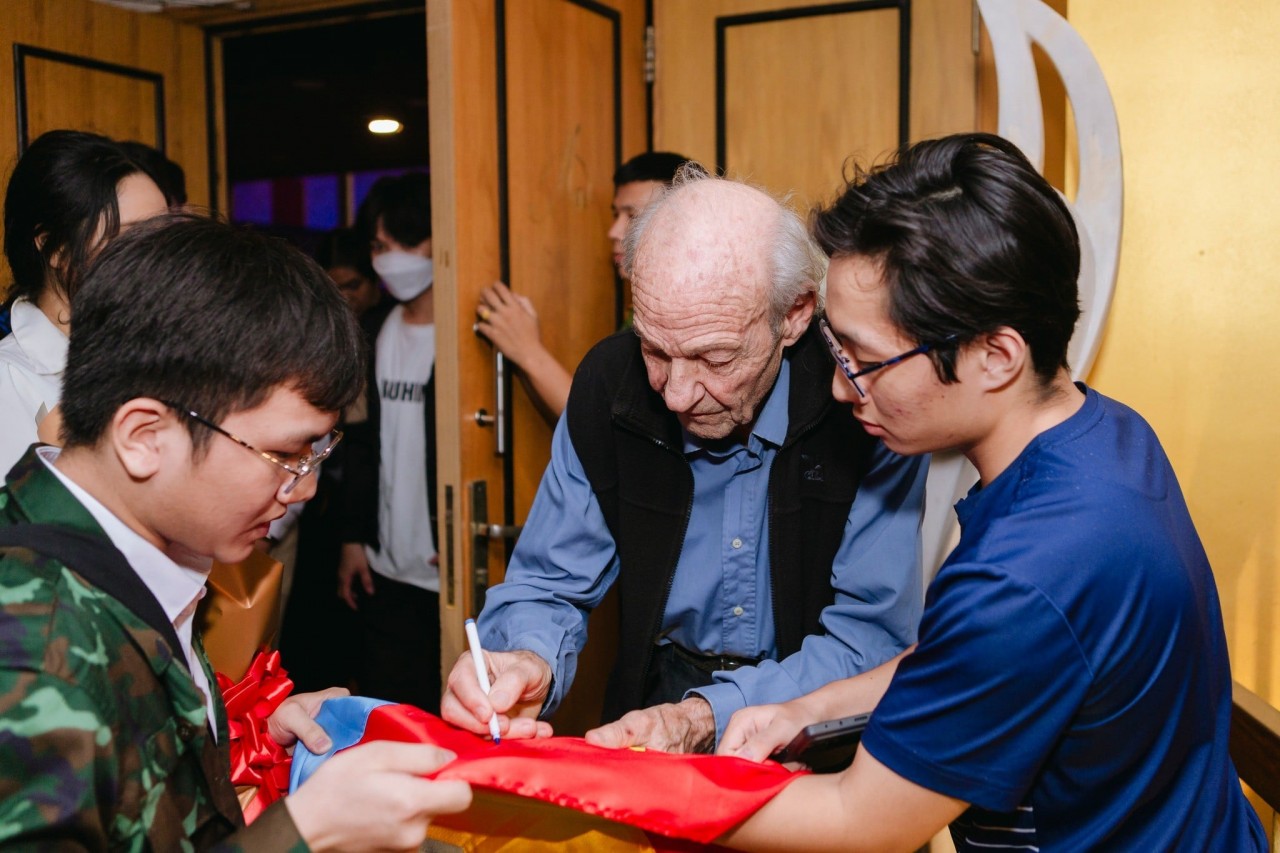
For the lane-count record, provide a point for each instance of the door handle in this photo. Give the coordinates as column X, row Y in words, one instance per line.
column 497, row 420
column 496, row 531
column 500, row 403
column 481, row 533
column 479, row 545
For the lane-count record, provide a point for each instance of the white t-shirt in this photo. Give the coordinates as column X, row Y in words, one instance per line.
column 406, row 355
column 32, row 358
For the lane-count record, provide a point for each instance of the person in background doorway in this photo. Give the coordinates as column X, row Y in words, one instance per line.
column 510, row 320
column 387, row 571
column 344, row 254
column 69, row 194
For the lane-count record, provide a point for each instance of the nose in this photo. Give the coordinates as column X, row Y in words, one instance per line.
column 682, row 390
column 305, row 489
column 619, row 228
column 842, row 389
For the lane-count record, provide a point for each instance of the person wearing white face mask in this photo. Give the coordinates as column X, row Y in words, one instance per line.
column 387, row 572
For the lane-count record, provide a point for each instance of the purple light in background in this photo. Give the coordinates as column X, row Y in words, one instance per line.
column 323, row 201
column 251, row 202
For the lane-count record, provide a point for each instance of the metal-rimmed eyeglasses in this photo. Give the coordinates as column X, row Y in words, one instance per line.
column 304, row 466
column 847, row 364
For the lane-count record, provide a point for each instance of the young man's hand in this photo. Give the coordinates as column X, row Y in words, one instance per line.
column 371, row 797
column 758, row 731
column 510, row 322
column 520, row 682
column 295, row 720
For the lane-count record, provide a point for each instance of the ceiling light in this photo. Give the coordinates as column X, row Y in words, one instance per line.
column 385, row 126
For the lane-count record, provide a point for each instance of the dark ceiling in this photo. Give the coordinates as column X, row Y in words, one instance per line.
column 298, row 101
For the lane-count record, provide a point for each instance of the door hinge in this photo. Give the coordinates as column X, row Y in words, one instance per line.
column 650, row 54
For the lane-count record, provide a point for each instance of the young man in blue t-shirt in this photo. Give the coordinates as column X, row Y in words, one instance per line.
column 1070, row 689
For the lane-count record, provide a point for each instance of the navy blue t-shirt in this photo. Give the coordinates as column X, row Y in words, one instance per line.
column 1071, row 680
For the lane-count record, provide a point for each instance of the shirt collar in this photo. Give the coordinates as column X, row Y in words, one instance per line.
column 173, row 584
column 42, row 342
column 771, row 423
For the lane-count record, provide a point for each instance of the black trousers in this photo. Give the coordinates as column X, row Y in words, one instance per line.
column 400, row 644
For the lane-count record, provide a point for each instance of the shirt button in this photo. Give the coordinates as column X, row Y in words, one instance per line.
column 736, row 543
column 738, row 611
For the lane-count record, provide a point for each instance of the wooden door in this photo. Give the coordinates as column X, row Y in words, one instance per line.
column 533, row 105
column 783, row 92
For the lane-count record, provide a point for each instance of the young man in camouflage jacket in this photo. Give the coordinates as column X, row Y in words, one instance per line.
column 204, row 376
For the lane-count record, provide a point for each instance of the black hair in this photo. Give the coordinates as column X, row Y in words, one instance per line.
column 971, row 238
column 190, row 310
column 658, row 166
column 167, row 174
column 62, row 191
column 403, row 204
column 344, row 247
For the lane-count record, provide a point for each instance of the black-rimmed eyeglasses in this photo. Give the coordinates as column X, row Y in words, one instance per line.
column 853, row 371
column 305, row 465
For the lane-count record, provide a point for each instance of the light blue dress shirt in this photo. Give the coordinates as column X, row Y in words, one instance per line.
column 721, row 597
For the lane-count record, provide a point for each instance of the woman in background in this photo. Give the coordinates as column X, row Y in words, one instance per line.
column 69, row 194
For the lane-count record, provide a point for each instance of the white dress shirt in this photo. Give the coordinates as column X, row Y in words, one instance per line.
column 177, row 586
column 32, row 358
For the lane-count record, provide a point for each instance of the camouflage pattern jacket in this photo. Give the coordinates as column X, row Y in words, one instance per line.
column 103, row 737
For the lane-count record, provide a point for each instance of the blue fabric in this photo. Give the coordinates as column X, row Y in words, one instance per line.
column 565, row 562
column 1072, row 679
column 343, row 720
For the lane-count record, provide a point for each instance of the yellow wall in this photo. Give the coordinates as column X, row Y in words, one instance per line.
column 1194, row 337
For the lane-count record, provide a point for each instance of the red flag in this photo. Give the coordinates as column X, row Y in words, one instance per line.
column 692, row 797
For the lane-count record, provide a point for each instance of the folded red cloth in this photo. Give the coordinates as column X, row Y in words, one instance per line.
column 694, row 797
column 257, row 761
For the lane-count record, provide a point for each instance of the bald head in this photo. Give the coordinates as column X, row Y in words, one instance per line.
column 708, row 239
column 723, row 279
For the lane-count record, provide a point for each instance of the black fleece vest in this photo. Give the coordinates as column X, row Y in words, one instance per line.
column 630, row 445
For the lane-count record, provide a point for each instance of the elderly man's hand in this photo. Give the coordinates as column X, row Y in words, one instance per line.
column 687, row 726
column 520, row 682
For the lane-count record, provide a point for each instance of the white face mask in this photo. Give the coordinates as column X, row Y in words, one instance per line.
column 405, row 274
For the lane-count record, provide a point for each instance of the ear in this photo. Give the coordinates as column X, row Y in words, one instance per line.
column 144, row 433
column 797, row 318
column 1000, row 358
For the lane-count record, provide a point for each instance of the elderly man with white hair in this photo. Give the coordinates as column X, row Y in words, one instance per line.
column 762, row 542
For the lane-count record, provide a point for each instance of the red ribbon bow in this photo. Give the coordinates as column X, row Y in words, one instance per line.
column 256, row 759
